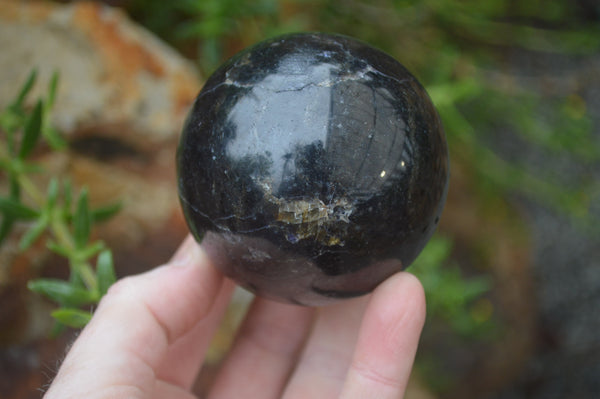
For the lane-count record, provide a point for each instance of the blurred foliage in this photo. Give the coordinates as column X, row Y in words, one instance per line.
column 216, row 28
column 52, row 214
column 451, row 296
column 457, row 49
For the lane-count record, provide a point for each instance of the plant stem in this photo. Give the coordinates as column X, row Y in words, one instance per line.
column 31, row 190
column 84, row 270
column 61, row 232
column 63, row 236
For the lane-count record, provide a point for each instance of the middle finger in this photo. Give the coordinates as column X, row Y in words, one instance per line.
column 324, row 363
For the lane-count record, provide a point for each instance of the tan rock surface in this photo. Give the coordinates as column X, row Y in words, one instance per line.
column 122, row 99
column 112, row 71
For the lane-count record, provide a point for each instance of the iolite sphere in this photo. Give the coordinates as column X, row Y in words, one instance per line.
column 312, row 167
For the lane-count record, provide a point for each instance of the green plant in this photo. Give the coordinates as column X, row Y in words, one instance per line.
column 451, row 296
column 62, row 219
column 215, row 19
column 210, row 24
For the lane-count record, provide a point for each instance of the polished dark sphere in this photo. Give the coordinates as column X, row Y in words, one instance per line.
column 312, row 167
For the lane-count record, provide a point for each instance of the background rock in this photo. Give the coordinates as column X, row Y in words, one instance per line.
column 113, row 71
column 122, row 98
column 121, row 103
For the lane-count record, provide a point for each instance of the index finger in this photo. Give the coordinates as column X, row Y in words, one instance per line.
column 136, row 323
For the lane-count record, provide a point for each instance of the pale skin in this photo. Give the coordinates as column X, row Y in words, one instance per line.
column 149, row 336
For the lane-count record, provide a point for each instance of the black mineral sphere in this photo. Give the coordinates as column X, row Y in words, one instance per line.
column 312, row 167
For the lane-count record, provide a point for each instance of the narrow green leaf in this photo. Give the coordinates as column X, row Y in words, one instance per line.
column 67, row 195
column 82, row 220
column 52, row 193
column 33, row 233
column 62, row 292
column 74, row 318
column 83, row 254
column 7, row 120
column 104, row 213
column 476, row 286
column 53, row 137
column 105, row 271
column 58, row 249
column 32, row 130
column 13, row 208
column 15, row 188
column 26, row 88
column 75, row 279
column 8, row 219
column 52, row 90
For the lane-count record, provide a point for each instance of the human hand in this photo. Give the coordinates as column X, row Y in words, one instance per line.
column 149, row 336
